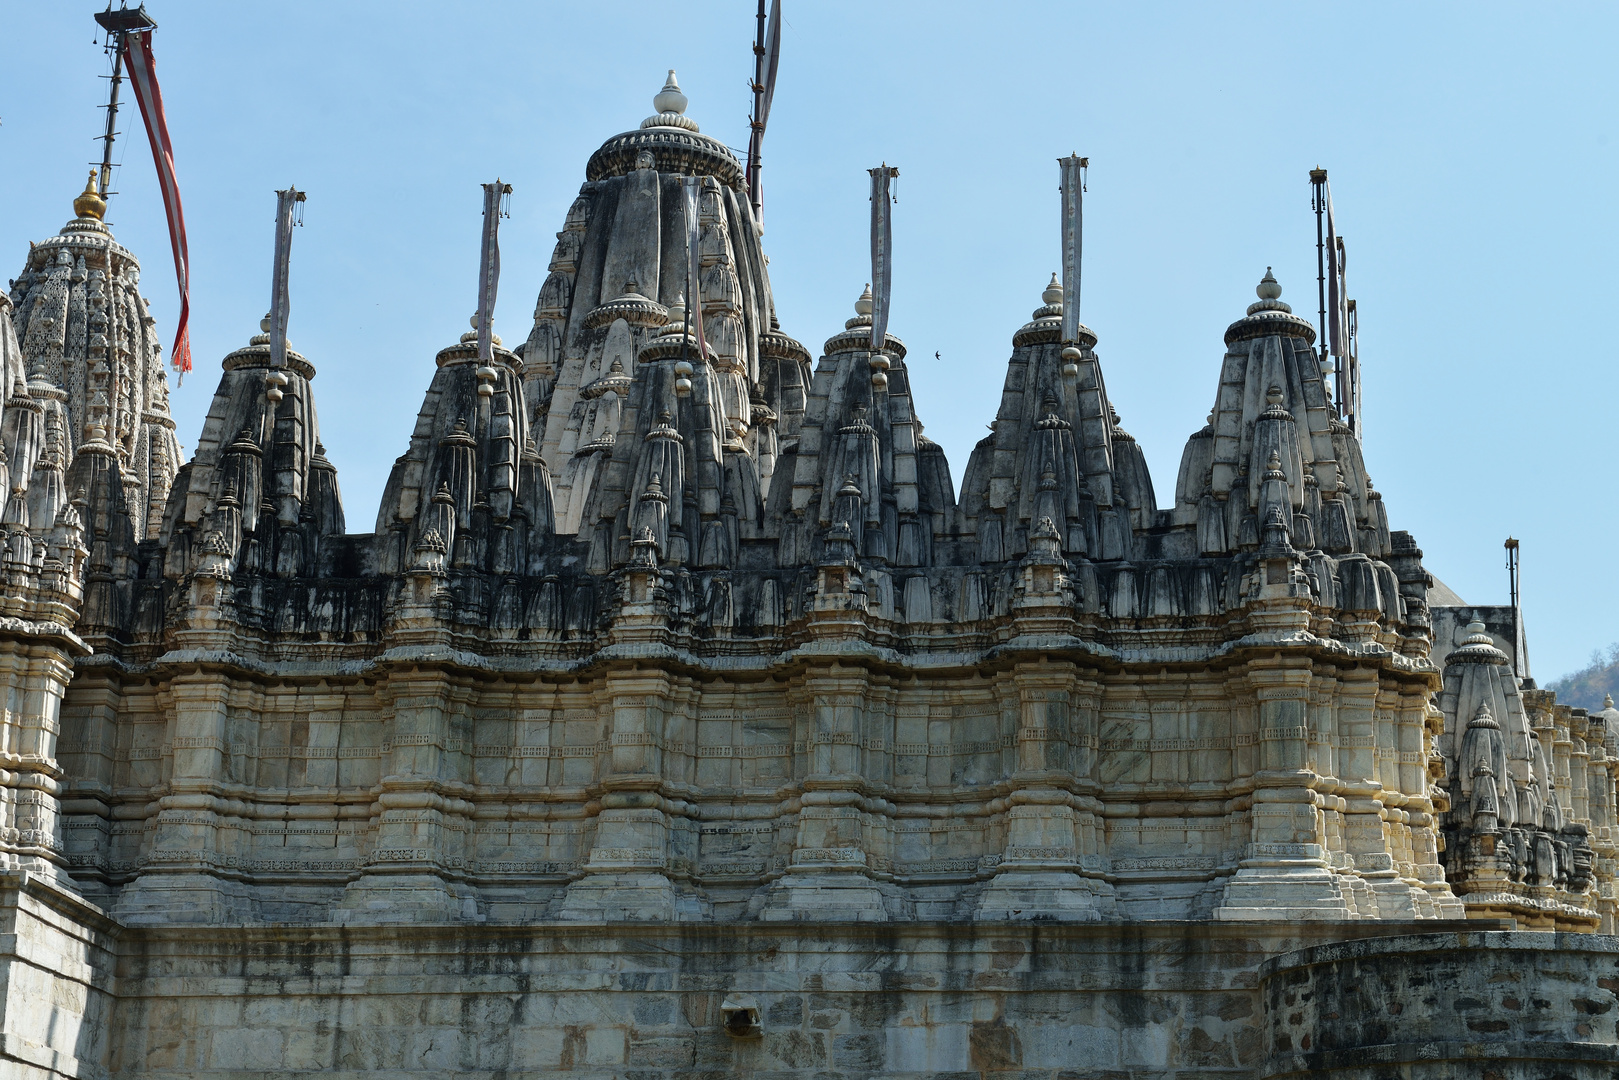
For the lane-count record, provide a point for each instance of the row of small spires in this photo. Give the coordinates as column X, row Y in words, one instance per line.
column 670, row 107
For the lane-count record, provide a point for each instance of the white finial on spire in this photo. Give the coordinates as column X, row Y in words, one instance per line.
column 1053, row 291
column 1268, row 288
column 670, row 104
column 863, row 305
column 670, row 99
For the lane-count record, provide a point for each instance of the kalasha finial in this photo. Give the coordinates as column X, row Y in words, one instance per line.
column 1053, row 293
column 90, row 204
column 1273, row 467
column 1268, row 288
column 863, row 305
column 670, row 106
column 670, row 99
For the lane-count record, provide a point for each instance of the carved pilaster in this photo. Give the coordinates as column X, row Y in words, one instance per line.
column 420, row 816
column 1051, row 867
column 638, row 847
column 186, row 872
column 35, row 674
column 830, row 873
column 1284, row 870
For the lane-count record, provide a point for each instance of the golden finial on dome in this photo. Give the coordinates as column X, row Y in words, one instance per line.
column 90, row 204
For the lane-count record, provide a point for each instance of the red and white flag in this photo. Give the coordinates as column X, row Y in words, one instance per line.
column 143, row 77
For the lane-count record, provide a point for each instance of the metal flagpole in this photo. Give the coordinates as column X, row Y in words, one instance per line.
column 1352, row 360
column 1512, row 584
column 1318, row 202
column 1338, row 333
column 756, row 135
column 112, row 116
column 767, row 59
column 117, row 24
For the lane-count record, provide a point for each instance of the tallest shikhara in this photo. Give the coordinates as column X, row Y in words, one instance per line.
column 619, row 268
column 93, row 356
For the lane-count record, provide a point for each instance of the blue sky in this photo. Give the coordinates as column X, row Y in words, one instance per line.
column 1470, row 146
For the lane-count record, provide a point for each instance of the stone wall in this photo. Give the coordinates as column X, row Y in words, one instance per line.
column 56, row 967
column 832, row 1001
column 1503, row 1006
column 829, row 1002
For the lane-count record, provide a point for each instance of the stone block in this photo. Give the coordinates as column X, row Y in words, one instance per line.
column 1059, row 1046
column 795, row 1050
column 928, row 1048
column 605, row 1046
column 863, row 1053
column 246, row 1049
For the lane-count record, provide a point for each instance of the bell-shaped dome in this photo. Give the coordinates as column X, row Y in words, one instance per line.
column 624, row 290
column 93, row 356
column 672, row 142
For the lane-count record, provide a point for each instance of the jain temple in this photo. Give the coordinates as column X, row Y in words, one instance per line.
column 678, row 719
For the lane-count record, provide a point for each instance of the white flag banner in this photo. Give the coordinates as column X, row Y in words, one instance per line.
column 286, row 210
column 489, row 268
column 882, row 252
column 772, row 61
column 1073, row 241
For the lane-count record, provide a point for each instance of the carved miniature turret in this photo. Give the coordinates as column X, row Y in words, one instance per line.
column 1061, row 422
column 857, row 436
column 1512, row 848
column 260, row 478
column 676, row 466
column 43, row 557
column 471, row 476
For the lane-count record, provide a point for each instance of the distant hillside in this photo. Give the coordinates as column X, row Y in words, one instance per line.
column 1586, row 687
